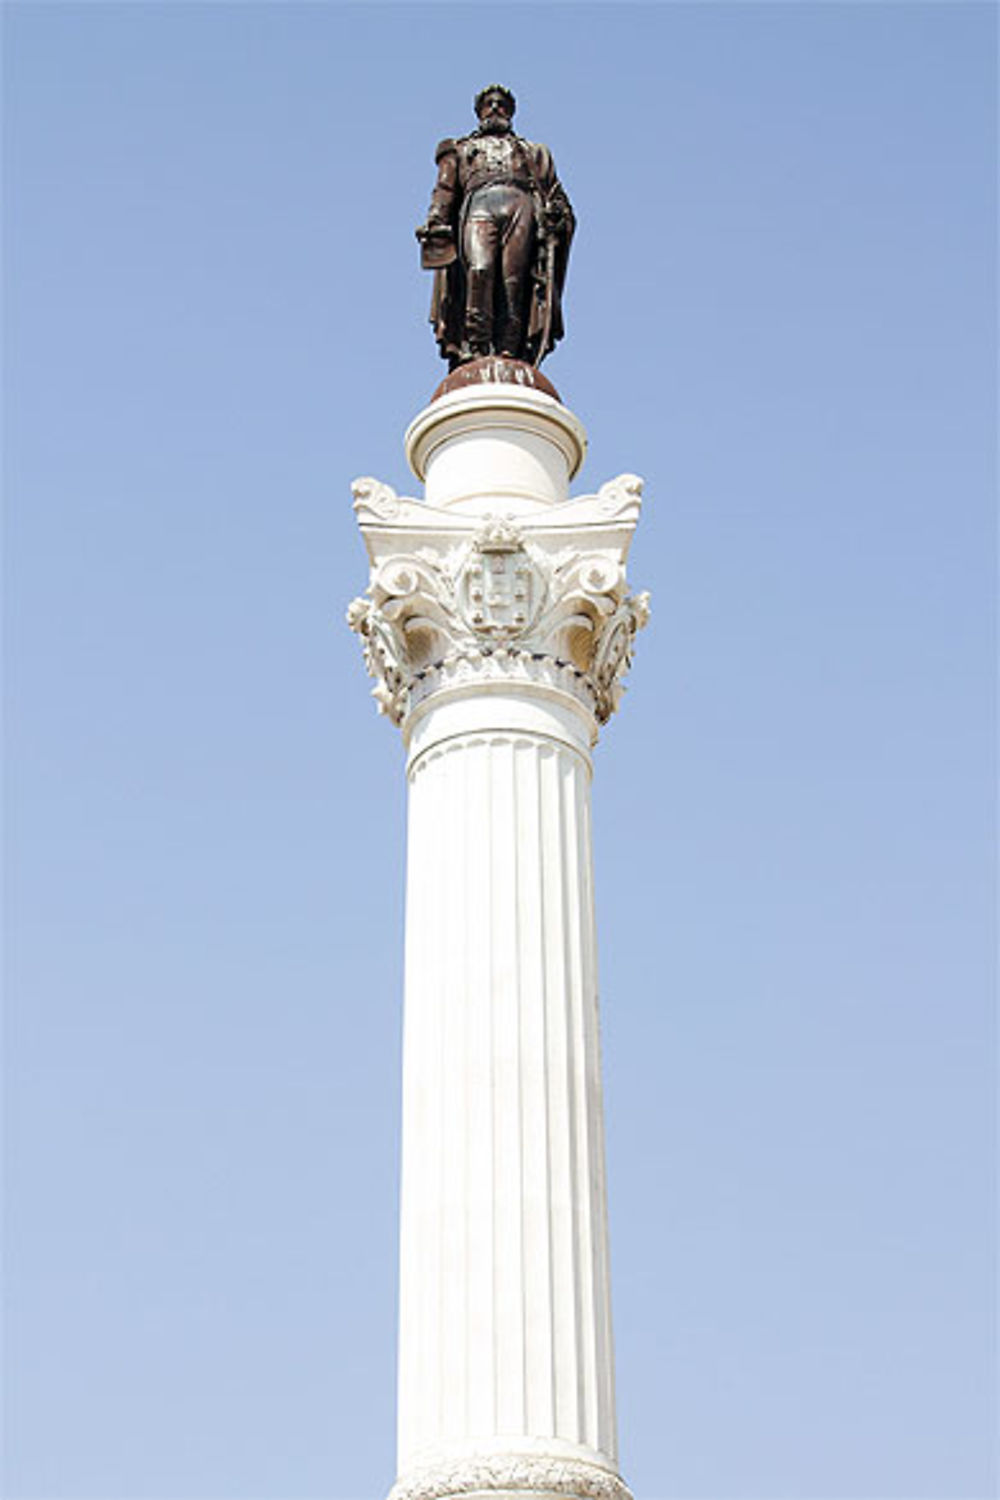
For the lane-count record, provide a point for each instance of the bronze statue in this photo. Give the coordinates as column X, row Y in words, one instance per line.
column 497, row 238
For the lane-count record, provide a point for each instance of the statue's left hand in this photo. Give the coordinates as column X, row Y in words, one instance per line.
column 434, row 229
column 551, row 218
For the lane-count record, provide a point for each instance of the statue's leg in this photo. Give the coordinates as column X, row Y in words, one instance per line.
column 515, row 255
column 480, row 245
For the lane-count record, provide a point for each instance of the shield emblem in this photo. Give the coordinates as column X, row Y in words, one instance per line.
column 499, row 591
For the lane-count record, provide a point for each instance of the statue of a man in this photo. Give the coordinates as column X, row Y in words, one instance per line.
column 497, row 237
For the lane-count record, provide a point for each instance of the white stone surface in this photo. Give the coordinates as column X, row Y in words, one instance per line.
column 541, row 597
column 495, row 447
column 498, row 626
column 504, row 1316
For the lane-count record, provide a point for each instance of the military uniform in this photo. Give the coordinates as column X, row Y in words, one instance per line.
column 499, row 203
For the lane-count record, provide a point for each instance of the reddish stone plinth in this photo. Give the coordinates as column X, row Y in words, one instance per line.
column 495, row 369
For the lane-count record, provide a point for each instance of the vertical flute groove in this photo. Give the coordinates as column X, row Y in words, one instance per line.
column 454, row 1142
column 606, row 1436
column 546, row 1000
column 438, row 1098
column 584, row 1106
column 465, row 1082
column 408, row 1305
column 536, row 1242
column 506, row 1052
column 562, row 1104
column 522, row 1084
column 479, row 1122
column 581, row 1268
column 487, row 823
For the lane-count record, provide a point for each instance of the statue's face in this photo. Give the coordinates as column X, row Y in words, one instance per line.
column 494, row 114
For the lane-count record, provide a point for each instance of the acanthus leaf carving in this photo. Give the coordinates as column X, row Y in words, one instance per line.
column 613, row 655
column 384, row 659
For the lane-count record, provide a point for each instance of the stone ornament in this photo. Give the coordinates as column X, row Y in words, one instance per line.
column 549, row 589
column 567, row 1479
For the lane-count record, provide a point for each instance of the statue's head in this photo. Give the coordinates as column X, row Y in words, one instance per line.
column 494, row 106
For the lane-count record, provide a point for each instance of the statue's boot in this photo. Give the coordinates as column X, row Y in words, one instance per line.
column 479, row 313
column 511, row 342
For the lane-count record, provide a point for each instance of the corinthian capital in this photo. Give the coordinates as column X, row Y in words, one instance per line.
column 547, row 589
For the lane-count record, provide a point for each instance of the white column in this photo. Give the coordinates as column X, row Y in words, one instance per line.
column 497, row 628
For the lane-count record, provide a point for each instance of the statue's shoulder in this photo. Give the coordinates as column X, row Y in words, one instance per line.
column 447, row 147
column 539, row 153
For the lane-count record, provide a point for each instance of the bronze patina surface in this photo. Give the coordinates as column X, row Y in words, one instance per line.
column 494, row 369
column 497, row 238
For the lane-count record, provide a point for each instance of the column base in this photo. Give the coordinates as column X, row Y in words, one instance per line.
column 511, row 1476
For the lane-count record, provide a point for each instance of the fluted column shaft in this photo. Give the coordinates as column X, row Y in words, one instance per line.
column 505, row 1325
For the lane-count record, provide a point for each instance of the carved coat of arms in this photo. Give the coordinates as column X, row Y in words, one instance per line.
column 499, row 587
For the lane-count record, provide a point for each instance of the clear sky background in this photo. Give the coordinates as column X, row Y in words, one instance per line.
column 781, row 311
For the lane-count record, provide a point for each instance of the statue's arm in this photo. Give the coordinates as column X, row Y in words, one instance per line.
column 444, row 199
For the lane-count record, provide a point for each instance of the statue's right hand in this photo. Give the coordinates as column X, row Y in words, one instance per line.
column 434, row 230
column 437, row 246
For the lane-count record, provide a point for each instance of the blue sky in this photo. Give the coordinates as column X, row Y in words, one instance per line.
column 781, row 311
